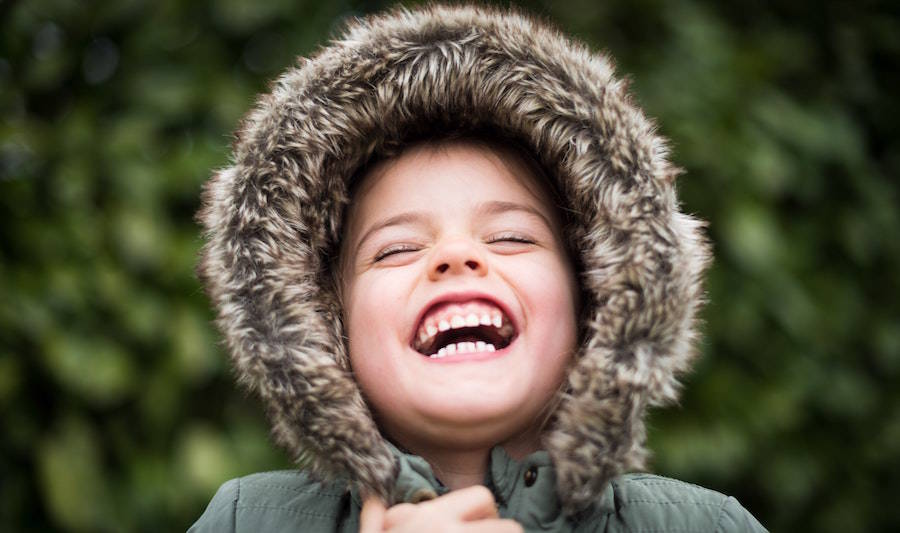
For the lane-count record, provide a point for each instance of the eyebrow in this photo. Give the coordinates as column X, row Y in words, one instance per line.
column 492, row 208
column 498, row 207
column 405, row 218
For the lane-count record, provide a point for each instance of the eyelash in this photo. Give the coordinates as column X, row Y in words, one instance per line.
column 396, row 249
column 509, row 237
column 402, row 248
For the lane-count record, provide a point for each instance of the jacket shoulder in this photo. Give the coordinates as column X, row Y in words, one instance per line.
column 645, row 503
column 275, row 501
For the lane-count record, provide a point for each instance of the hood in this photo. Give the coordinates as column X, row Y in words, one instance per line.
column 273, row 223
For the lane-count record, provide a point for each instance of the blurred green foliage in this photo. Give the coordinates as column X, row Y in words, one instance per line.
column 117, row 405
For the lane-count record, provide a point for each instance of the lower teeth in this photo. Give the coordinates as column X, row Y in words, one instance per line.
column 464, row 347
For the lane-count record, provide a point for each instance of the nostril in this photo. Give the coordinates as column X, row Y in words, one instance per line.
column 443, row 267
column 472, row 264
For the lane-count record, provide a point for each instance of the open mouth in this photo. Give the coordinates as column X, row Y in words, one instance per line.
column 457, row 328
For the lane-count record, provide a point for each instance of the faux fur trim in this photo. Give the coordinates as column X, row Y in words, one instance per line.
column 272, row 221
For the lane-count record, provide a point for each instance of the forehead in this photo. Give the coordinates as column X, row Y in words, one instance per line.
column 411, row 179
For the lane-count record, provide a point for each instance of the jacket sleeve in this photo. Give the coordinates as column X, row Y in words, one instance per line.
column 734, row 518
column 219, row 514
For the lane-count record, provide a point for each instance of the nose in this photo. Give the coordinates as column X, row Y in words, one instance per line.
column 456, row 257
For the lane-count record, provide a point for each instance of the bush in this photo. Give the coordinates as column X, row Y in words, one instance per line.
column 118, row 409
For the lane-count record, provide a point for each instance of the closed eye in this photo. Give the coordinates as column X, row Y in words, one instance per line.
column 509, row 237
column 395, row 250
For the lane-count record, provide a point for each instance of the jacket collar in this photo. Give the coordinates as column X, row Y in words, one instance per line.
column 525, row 489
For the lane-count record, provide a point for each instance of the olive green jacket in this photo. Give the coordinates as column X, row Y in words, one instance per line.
column 524, row 490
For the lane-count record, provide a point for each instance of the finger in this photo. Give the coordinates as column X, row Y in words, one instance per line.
column 371, row 518
column 470, row 503
column 398, row 514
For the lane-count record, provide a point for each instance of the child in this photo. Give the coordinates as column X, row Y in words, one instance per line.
column 448, row 257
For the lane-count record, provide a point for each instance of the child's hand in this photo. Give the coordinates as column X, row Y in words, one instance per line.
column 470, row 509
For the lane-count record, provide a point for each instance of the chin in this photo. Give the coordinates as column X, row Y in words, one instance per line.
column 471, row 423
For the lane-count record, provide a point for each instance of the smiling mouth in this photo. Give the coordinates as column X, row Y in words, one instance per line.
column 459, row 328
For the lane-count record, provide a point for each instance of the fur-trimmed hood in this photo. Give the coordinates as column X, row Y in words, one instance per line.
column 273, row 218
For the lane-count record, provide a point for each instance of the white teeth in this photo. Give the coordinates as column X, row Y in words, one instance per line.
column 463, row 348
column 427, row 333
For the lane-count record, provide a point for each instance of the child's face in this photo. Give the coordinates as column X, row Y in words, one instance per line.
column 443, row 236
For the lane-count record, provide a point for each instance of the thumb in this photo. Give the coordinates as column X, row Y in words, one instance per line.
column 371, row 517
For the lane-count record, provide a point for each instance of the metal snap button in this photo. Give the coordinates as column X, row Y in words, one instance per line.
column 422, row 495
column 530, row 476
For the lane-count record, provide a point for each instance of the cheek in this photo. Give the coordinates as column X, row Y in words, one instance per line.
column 374, row 307
column 550, row 285
column 364, row 332
column 374, row 320
column 556, row 306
